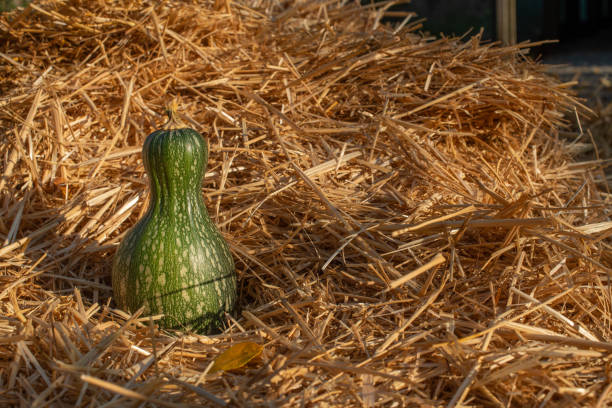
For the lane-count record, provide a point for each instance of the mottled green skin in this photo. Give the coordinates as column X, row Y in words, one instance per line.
column 174, row 261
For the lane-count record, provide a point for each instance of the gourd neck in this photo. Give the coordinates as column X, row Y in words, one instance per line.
column 175, row 159
column 189, row 203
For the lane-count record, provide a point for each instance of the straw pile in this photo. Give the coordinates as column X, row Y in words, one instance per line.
column 408, row 228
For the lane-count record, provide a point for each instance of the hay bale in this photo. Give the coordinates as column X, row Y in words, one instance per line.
column 408, row 228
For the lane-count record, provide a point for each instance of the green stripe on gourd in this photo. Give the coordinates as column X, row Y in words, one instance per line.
column 174, row 261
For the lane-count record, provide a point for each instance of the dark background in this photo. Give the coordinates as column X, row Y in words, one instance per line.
column 583, row 27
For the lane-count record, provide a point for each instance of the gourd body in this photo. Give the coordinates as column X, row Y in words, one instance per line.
column 174, row 261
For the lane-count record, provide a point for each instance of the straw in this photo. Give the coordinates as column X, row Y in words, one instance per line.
column 409, row 222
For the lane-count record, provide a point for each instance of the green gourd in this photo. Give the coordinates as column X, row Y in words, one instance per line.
column 174, row 261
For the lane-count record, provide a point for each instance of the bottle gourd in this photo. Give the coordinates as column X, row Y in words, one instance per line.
column 174, row 261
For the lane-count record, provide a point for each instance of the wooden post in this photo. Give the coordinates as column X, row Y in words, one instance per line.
column 506, row 21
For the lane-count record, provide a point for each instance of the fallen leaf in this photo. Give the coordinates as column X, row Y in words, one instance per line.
column 236, row 356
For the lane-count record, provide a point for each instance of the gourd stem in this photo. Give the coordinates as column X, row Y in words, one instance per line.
column 174, row 121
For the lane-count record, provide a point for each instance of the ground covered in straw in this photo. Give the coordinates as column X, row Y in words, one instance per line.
column 408, row 227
